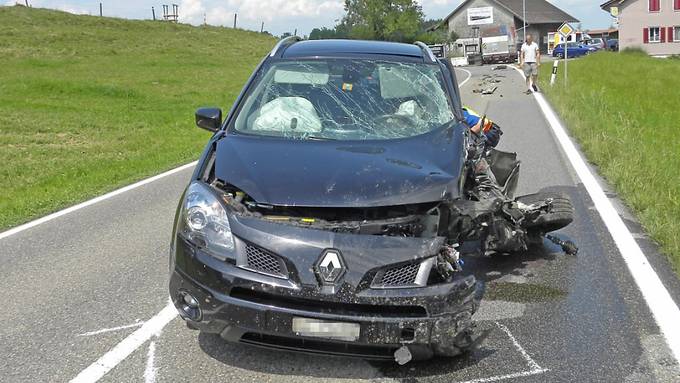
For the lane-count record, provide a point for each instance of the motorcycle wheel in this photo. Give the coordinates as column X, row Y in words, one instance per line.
column 561, row 215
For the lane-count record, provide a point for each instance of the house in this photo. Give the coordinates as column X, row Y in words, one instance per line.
column 653, row 25
column 474, row 19
column 606, row 34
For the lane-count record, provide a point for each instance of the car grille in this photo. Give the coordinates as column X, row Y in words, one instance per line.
column 402, row 276
column 264, row 261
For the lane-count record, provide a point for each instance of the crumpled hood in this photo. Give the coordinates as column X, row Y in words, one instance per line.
column 315, row 173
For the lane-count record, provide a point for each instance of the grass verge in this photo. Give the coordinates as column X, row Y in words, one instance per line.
column 624, row 110
column 88, row 104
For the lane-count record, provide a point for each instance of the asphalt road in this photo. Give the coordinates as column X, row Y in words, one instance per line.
column 76, row 286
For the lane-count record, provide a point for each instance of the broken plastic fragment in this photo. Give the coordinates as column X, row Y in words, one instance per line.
column 402, row 355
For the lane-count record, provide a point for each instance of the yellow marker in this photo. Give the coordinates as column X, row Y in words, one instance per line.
column 347, row 87
column 308, row 220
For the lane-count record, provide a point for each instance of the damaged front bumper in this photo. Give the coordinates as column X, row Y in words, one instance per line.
column 243, row 304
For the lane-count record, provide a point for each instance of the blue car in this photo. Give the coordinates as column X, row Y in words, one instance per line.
column 573, row 50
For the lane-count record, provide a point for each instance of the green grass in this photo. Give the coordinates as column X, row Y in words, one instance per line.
column 624, row 110
column 88, row 104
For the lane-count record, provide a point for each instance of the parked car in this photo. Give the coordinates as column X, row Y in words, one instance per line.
column 613, row 45
column 596, row 43
column 573, row 50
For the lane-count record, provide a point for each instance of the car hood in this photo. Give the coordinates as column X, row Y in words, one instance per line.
column 287, row 172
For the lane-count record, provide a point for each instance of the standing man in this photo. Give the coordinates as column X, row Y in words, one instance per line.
column 530, row 60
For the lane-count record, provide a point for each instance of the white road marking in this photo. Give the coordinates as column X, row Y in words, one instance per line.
column 468, row 77
column 534, row 368
column 105, row 330
column 93, row 201
column 150, row 370
column 660, row 303
column 127, row 346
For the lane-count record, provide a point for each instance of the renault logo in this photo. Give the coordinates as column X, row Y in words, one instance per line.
column 330, row 266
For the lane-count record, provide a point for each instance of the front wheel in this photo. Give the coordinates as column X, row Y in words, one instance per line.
column 560, row 215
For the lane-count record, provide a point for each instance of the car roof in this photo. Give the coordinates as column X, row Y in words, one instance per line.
column 312, row 48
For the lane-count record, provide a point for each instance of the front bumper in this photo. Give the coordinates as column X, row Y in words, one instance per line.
column 248, row 307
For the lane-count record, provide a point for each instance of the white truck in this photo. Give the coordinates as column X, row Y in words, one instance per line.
column 497, row 49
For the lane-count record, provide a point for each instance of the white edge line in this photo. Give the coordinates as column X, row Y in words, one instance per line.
column 105, row 330
column 127, row 346
column 93, row 201
column 150, row 370
column 468, row 77
column 660, row 303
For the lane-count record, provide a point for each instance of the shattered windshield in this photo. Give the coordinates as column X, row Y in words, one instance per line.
column 346, row 99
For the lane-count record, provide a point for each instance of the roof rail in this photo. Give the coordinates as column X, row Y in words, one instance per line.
column 284, row 41
column 426, row 50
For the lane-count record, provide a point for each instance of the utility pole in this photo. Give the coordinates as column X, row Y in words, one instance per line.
column 235, row 15
column 101, row 12
column 262, row 27
column 153, row 14
column 524, row 19
column 295, row 33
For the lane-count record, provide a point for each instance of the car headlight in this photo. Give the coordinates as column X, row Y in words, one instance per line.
column 204, row 220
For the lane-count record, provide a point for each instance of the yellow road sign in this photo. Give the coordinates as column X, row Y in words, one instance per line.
column 565, row 30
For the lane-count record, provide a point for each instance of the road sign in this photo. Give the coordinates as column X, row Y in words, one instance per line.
column 565, row 30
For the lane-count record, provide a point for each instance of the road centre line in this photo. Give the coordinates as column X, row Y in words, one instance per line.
column 93, row 201
column 127, row 346
column 658, row 299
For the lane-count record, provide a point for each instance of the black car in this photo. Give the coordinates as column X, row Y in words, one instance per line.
column 313, row 220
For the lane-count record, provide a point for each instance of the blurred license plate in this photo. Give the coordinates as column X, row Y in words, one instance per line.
column 326, row 329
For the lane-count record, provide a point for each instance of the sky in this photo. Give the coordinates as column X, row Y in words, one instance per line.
column 280, row 16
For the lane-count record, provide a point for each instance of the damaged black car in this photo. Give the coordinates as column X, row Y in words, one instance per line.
column 326, row 211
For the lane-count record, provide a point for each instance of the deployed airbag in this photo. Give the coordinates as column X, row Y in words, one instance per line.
column 288, row 115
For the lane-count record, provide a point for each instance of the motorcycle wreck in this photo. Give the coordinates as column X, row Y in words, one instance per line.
column 490, row 213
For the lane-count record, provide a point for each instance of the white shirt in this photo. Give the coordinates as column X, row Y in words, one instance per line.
column 530, row 52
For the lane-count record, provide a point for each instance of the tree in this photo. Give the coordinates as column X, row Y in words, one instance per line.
column 393, row 20
column 326, row 33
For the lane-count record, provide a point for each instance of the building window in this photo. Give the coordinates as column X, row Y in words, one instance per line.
column 654, row 35
column 654, row 5
column 676, row 5
column 676, row 34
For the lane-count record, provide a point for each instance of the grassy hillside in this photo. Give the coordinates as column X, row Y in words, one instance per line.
column 88, row 104
column 624, row 109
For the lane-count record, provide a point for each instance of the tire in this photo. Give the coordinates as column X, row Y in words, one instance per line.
column 561, row 214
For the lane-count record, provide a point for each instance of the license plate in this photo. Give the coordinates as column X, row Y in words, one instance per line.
column 326, row 329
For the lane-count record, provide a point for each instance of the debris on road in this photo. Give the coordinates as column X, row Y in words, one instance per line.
column 487, row 86
column 500, row 67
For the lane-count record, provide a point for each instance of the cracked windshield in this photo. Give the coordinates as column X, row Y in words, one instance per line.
column 346, row 100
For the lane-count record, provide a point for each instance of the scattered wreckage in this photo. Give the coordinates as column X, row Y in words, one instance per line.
column 325, row 212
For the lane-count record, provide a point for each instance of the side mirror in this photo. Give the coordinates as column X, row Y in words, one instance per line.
column 209, row 118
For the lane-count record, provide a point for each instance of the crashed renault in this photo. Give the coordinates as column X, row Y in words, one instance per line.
column 325, row 212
